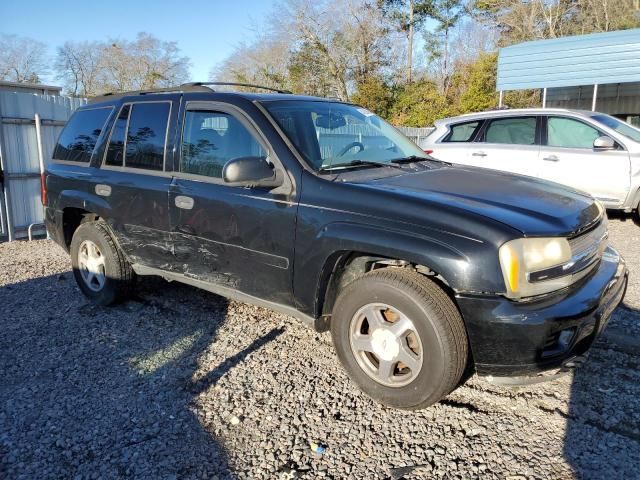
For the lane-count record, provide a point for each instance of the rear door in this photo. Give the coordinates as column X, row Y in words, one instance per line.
column 234, row 237
column 455, row 147
column 134, row 181
column 510, row 144
column 568, row 157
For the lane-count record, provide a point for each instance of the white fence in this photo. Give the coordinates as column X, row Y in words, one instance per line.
column 418, row 135
column 20, row 150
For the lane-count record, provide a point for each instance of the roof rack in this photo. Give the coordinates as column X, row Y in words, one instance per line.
column 179, row 88
column 185, row 87
column 250, row 85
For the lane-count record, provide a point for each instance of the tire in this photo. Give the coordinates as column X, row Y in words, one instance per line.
column 104, row 275
column 435, row 335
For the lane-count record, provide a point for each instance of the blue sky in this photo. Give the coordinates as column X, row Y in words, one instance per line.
column 206, row 31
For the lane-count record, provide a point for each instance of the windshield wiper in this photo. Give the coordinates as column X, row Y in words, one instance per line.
column 415, row 158
column 357, row 163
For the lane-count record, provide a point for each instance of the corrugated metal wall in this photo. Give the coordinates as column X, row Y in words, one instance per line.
column 19, row 160
column 616, row 99
column 598, row 58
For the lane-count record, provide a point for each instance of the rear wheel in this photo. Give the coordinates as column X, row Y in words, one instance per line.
column 400, row 338
column 101, row 270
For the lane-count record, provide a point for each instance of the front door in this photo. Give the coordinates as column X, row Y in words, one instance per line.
column 234, row 237
column 568, row 157
column 509, row 144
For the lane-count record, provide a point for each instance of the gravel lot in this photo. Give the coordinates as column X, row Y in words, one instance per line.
column 179, row 383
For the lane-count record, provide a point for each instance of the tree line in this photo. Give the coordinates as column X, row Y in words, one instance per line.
column 90, row 68
column 410, row 61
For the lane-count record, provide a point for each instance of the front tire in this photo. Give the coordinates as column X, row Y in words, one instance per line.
column 400, row 338
column 101, row 270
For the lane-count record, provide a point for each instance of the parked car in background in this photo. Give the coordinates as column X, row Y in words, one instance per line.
column 589, row 151
column 421, row 270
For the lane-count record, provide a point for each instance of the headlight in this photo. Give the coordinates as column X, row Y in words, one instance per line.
column 534, row 266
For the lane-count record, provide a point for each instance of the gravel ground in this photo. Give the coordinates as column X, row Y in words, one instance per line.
column 179, row 383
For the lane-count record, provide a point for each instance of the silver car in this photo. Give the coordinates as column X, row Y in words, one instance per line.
column 590, row 151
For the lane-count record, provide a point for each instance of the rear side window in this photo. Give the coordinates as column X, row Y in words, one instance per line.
column 115, row 150
column 79, row 137
column 147, row 135
column 515, row 131
column 139, row 135
column 210, row 139
column 462, row 132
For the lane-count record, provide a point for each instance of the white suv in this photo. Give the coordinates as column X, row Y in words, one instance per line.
column 590, row 151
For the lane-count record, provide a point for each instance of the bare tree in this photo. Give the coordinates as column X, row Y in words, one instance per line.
column 79, row 67
column 146, row 62
column 22, row 59
column 90, row 68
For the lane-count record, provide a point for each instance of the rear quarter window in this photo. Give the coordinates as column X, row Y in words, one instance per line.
column 80, row 135
column 462, row 132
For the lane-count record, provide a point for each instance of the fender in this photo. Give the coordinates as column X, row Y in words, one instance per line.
column 440, row 251
column 85, row 201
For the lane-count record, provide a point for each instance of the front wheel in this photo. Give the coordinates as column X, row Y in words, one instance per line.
column 101, row 270
column 400, row 338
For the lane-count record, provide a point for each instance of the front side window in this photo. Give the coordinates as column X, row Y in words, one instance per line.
column 79, row 137
column 462, row 132
column 570, row 133
column 331, row 134
column 210, row 139
column 138, row 136
column 514, row 131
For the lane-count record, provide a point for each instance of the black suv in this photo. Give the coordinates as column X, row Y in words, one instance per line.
column 424, row 272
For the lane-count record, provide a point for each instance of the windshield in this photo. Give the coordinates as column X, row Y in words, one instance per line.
column 332, row 135
column 619, row 126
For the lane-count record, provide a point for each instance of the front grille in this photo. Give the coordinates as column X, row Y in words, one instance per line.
column 586, row 251
column 590, row 241
column 587, row 248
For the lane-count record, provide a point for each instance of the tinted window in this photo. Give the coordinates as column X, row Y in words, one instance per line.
column 566, row 132
column 79, row 137
column 146, row 135
column 211, row 139
column 115, row 150
column 462, row 132
column 516, row 131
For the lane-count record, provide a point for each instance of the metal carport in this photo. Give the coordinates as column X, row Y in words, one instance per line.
column 578, row 66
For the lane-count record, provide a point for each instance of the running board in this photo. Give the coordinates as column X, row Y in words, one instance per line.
column 318, row 325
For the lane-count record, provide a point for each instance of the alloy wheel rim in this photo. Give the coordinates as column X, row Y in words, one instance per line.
column 91, row 263
column 386, row 344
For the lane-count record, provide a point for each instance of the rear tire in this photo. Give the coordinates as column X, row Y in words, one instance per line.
column 413, row 351
column 101, row 270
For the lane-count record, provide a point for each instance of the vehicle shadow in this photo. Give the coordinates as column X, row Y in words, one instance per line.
column 97, row 392
column 602, row 437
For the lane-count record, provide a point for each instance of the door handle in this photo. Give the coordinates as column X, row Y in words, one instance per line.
column 184, row 202
column 479, row 154
column 551, row 158
column 103, row 190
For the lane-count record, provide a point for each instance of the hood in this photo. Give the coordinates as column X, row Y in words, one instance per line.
column 534, row 207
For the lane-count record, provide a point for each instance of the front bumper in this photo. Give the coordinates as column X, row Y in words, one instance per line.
column 510, row 338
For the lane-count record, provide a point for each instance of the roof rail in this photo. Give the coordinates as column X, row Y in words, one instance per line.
column 179, row 88
column 198, row 84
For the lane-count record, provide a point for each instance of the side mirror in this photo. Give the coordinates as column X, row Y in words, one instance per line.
column 604, row 143
column 249, row 172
